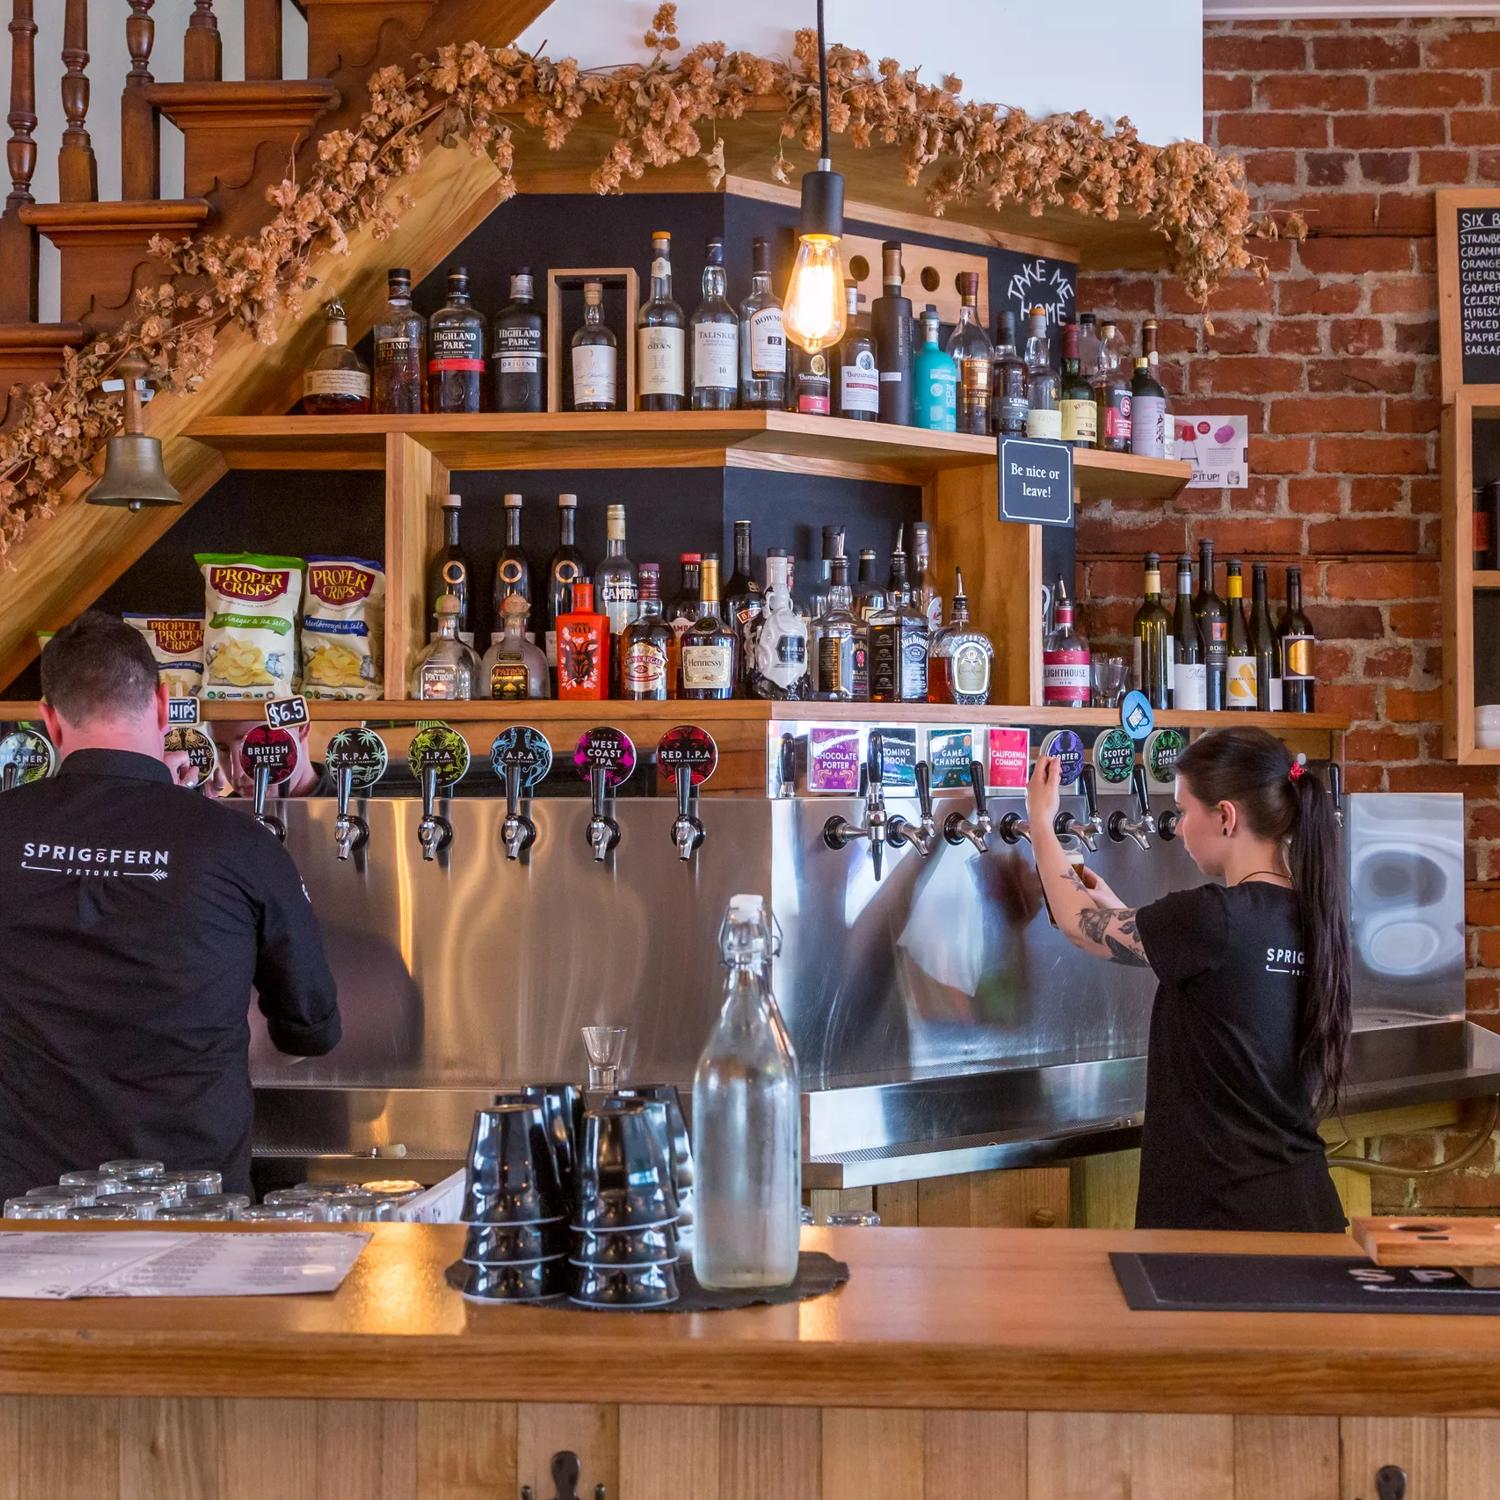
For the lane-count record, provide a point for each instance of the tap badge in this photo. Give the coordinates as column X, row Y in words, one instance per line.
column 440, row 746
column 1068, row 748
column 202, row 753
column 524, row 749
column 1160, row 754
column 687, row 747
column 267, row 749
column 28, row 756
column 1114, row 756
column 607, row 747
column 362, row 753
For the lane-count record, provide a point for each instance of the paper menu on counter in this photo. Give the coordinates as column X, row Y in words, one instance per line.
column 148, row 1263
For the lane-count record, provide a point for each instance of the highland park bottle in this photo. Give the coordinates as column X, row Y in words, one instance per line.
column 520, row 354
column 400, row 339
column 455, row 351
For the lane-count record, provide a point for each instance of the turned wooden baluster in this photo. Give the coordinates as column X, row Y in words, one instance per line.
column 140, row 131
column 77, row 171
column 262, row 39
column 18, row 240
column 202, row 49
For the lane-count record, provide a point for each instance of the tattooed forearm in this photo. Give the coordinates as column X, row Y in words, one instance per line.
column 1116, row 933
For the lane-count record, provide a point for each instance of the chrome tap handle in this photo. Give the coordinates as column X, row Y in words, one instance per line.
column 350, row 831
column 265, row 819
column 958, row 829
column 1139, row 829
column 924, row 834
column 603, row 831
column 1094, row 822
column 1013, row 828
column 1142, row 797
column 981, row 803
column 434, row 832
column 1336, row 790
column 687, row 831
column 517, row 832
column 1065, row 825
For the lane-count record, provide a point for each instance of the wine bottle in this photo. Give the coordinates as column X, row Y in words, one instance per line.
column 1152, row 634
column 1263, row 644
column 1189, row 667
column 1213, row 625
column 1297, row 641
column 1239, row 680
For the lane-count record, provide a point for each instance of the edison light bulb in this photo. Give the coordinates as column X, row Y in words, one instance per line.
column 814, row 312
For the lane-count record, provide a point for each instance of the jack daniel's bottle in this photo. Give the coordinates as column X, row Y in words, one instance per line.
column 899, row 642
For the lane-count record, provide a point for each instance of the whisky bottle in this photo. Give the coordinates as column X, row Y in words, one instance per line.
column 512, row 570
column 455, row 351
column 971, row 348
column 400, row 340
column 934, row 381
column 762, row 337
column 1297, row 641
column 583, row 647
column 1263, row 644
column 514, row 667
column 336, row 383
column 857, row 389
column 1043, row 411
column 1151, row 636
column 715, row 339
column 449, row 572
column 645, row 645
column 1213, row 626
column 1075, row 397
column 899, row 643
column 1009, row 399
column 1111, row 386
column 1066, row 681
column 595, row 356
column 615, row 585
column 961, row 661
column 680, row 615
column 870, row 594
column 1239, row 679
column 709, row 647
column 521, row 349
column 890, row 321
column 840, row 641
column 446, row 669
column 661, row 338
column 925, row 593
column 781, row 643
column 810, row 382
column 1189, row 660
column 565, row 569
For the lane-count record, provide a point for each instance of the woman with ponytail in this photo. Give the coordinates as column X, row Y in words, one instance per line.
column 1250, row 1028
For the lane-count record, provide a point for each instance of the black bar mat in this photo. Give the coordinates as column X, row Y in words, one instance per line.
column 1292, row 1283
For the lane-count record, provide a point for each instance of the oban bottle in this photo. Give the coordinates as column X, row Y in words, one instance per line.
column 455, row 351
column 595, row 356
column 521, row 349
column 400, row 339
column 661, row 340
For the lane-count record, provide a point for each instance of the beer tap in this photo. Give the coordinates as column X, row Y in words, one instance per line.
column 521, row 757
column 1088, row 830
column 357, row 758
column 976, row 830
column 25, row 756
column 605, row 758
column 837, row 832
column 922, row 836
column 786, row 786
column 687, row 756
column 1336, row 790
column 439, row 758
column 268, row 757
column 1143, row 825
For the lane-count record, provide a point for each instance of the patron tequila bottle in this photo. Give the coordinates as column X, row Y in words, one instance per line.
column 513, row 668
column 446, row 669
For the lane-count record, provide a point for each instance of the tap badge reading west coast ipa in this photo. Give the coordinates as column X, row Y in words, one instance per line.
column 607, row 747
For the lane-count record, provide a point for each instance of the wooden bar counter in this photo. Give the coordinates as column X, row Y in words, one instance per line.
column 955, row 1363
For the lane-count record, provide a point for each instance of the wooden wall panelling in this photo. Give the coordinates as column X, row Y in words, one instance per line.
column 1078, row 1456
column 770, row 1451
column 871, row 1455
column 1104, row 1190
column 466, row 1450
column 1181, row 1458
column 10, row 1447
column 1025, row 1198
column 270, row 1447
column 592, row 1432
column 169, row 1449
column 415, row 483
column 1473, row 1459
column 367, row 1448
column 931, row 274
column 668, row 1450
column 1291, row 1458
column 1416, row 1444
column 67, row 1448
column 897, row 1204
column 969, row 1454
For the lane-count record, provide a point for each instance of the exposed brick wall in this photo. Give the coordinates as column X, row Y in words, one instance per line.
column 1334, row 360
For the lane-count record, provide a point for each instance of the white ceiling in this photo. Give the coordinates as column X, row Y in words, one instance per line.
column 1397, row 10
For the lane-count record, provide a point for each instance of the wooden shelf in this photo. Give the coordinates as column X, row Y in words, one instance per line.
column 631, row 440
column 1486, row 578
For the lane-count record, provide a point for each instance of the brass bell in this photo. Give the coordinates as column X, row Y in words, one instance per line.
column 133, row 473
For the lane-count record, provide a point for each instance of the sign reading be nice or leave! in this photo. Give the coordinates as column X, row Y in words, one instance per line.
column 1036, row 482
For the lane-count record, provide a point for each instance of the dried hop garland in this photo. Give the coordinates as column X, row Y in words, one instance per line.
column 477, row 96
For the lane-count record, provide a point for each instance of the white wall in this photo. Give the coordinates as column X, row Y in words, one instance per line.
column 1145, row 61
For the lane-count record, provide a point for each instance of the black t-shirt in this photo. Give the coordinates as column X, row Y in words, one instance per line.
column 1230, row 1141
column 135, row 916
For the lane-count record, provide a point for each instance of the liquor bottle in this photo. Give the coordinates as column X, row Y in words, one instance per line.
column 1009, row 400
column 1169, row 413
column 583, row 654
column 924, row 588
column 336, row 383
column 449, row 571
column 1297, row 640
column 1239, row 654
column 1043, row 413
column 899, row 643
column 616, row 589
column 840, row 646
column 596, row 359
column 743, row 601
column 513, row 667
column 565, row 569
column 817, row 595
column 1263, row 645
column 781, row 644
column 455, row 351
column 1075, row 396
column 680, row 614
column 400, row 340
column 1189, row 660
column 645, row 646
column 1148, row 413
column 1088, row 344
column 745, row 1089
column 890, row 321
column 710, row 649
column 716, row 339
column 1066, row 661
column 762, row 337
column 810, row 382
column 934, row 381
column 857, row 392
column 445, row 668
column 512, row 571
column 961, row 662
column 1151, row 635
column 1111, row 388
column 661, row 340
column 520, row 349
column 1213, row 625
column 970, row 346
column 871, row 595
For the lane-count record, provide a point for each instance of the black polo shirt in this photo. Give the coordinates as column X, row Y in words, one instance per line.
column 135, row 916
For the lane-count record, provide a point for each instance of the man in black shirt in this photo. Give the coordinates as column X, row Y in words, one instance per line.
column 135, row 916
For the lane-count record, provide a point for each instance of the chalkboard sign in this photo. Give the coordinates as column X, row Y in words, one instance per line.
column 1479, row 294
column 1036, row 482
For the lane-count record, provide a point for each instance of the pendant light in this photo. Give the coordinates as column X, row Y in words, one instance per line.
column 133, row 473
column 814, row 313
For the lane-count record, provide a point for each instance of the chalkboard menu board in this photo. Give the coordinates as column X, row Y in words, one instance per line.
column 1479, row 294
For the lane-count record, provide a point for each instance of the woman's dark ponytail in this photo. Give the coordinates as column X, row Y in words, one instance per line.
column 1283, row 799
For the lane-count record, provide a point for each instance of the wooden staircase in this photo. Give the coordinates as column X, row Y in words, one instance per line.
column 240, row 135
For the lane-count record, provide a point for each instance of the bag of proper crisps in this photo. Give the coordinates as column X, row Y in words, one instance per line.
column 249, row 624
column 343, row 623
column 176, row 641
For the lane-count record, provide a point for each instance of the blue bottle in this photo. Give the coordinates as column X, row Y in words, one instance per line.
column 934, row 381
